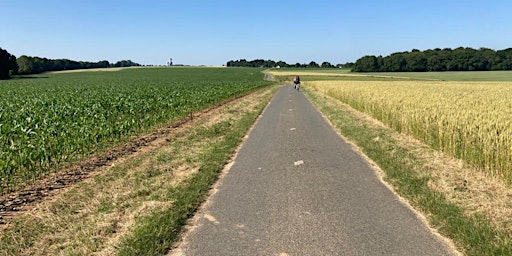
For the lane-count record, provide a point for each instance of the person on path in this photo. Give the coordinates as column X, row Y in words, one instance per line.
column 296, row 82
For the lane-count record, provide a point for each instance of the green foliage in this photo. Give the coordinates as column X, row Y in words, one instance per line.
column 460, row 59
column 125, row 63
column 47, row 122
column 36, row 65
column 259, row 63
column 8, row 65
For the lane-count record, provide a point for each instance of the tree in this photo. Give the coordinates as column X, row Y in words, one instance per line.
column 13, row 66
column 313, row 64
column 459, row 59
column 367, row 63
column 126, row 63
column 416, row 62
column 394, row 63
column 25, row 65
column 282, row 64
column 326, row 64
column 8, row 65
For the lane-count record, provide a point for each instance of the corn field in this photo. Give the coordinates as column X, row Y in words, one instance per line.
column 57, row 118
column 469, row 120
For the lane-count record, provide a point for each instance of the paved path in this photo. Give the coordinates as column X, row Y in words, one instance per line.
column 297, row 189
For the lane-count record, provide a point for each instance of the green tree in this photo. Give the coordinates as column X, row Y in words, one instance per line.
column 8, row 65
column 313, row 64
column 416, row 61
column 367, row 63
column 394, row 63
column 282, row 64
column 13, row 66
column 25, row 65
column 326, row 64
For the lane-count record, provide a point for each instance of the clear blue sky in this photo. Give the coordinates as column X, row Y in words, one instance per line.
column 213, row 32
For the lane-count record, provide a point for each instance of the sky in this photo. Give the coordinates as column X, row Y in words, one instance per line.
column 209, row 32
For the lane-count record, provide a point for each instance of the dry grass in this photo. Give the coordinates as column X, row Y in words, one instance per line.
column 86, row 70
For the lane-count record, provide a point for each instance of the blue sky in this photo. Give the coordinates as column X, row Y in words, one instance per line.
column 201, row 32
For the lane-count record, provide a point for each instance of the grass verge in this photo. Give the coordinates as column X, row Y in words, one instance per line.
column 473, row 234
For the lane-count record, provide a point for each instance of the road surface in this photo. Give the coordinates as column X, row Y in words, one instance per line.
column 296, row 188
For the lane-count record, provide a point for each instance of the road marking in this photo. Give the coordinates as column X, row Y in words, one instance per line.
column 211, row 218
column 297, row 163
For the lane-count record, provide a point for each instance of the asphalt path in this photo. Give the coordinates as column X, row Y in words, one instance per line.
column 296, row 188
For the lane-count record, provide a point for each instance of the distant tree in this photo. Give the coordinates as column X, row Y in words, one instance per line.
column 504, row 59
column 282, row 64
column 13, row 69
column 313, row 64
column 125, row 63
column 261, row 63
column 459, row 59
column 346, row 65
column 326, row 64
column 8, row 65
column 103, row 64
column 416, row 61
column 25, row 65
column 367, row 63
column 231, row 63
column 35, row 65
column 395, row 62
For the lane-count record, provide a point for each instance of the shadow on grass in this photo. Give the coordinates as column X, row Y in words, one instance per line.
column 28, row 77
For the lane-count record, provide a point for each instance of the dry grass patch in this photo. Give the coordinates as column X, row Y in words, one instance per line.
column 86, row 70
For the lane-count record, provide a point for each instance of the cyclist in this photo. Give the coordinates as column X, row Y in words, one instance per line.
column 296, row 82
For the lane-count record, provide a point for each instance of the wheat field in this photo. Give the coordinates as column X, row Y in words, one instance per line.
column 469, row 120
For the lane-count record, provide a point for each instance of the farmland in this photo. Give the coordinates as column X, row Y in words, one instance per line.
column 441, row 140
column 51, row 120
column 468, row 120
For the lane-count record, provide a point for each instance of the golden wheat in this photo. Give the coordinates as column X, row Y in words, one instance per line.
column 469, row 120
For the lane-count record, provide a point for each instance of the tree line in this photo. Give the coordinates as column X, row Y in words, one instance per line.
column 260, row 63
column 26, row 65
column 36, row 65
column 459, row 59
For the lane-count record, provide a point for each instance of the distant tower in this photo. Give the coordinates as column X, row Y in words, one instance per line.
column 170, row 62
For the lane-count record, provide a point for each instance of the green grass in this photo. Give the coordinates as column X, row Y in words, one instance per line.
column 474, row 234
column 55, row 119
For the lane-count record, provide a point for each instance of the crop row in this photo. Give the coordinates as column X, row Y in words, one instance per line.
column 48, row 121
column 469, row 120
